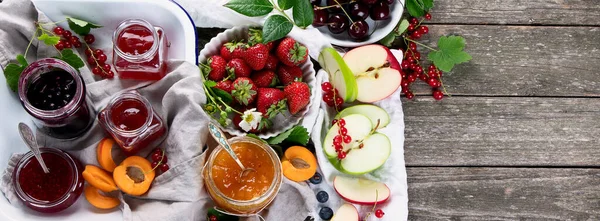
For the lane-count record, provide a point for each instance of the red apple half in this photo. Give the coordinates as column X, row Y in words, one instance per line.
column 376, row 71
column 346, row 212
column 361, row 191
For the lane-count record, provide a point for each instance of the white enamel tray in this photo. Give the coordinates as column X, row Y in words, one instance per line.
column 108, row 13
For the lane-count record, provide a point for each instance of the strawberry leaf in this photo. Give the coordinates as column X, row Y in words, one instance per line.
column 297, row 134
column 49, row 40
column 210, row 83
column 72, row 59
column 415, row 8
column 450, row 53
column 12, row 72
column 223, row 95
column 303, row 13
column 250, row 8
column 81, row 27
column 285, row 4
column 276, row 27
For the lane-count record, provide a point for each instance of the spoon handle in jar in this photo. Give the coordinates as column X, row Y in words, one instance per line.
column 220, row 137
column 29, row 138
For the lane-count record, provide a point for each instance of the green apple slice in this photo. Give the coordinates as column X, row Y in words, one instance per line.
column 340, row 76
column 373, row 112
column 358, row 127
column 375, row 151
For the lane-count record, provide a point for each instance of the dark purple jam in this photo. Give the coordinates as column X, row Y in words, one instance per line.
column 52, row 90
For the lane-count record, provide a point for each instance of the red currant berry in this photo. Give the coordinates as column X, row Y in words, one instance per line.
column 98, row 52
column 327, row 98
column 213, row 218
column 154, row 164
column 404, row 84
column 106, row 67
column 337, row 139
column 59, row 46
column 67, row 34
column 73, row 39
column 342, row 122
column 379, row 213
column 438, row 95
column 331, row 103
column 326, row 86
column 414, row 21
column 341, row 155
column 89, row 38
column 67, row 44
column 416, row 55
column 409, row 95
column 424, row 29
column 412, row 46
column 427, row 16
column 405, row 65
column 164, row 167
column 339, row 101
column 91, row 61
column 434, row 83
column 411, row 27
column 97, row 71
column 77, row 44
column 334, row 121
column 433, row 74
column 419, row 70
column 338, row 147
column 405, row 90
column 343, row 131
column 415, row 35
column 432, row 67
column 110, row 74
column 58, row 30
column 156, row 157
column 101, row 58
column 88, row 52
column 347, row 139
column 423, row 77
column 411, row 78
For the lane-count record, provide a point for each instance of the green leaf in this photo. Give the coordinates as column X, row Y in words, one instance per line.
column 402, row 26
column 81, row 27
column 389, row 39
column 285, row 4
column 303, row 13
column 72, row 59
column 21, row 59
column 210, row 83
column 415, row 8
column 226, row 97
column 251, row 8
column 49, row 40
column 297, row 134
column 450, row 53
column 427, row 4
column 12, row 72
column 275, row 28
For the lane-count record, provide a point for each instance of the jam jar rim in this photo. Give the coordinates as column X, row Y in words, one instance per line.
column 134, row 95
column 75, row 171
column 71, row 107
column 139, row 57
column 277, row 179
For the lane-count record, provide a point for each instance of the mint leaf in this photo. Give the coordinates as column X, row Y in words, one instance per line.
column 303, row 13
column 210, row 83
column 81, row 27
column 276, row 27
column 226, row 97
column 285, row 4
column 49, row 40
column 427, row 4
column 450, row 53
column 21, row 59
column 251, row 8
column 402, row 26
column 415, row 8
column 297, row 134
column 72, row 59
column 12, row 72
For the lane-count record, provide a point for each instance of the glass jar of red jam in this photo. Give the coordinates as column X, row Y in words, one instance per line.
column 140, row 50
column 131, row 121
column 48, row 192
column 54, row 94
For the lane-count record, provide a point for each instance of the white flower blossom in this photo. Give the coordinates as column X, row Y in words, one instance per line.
column 250, row 119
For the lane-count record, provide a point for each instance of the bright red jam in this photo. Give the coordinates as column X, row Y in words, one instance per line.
column 135, row 39
column 129, row 114
column 46, row 186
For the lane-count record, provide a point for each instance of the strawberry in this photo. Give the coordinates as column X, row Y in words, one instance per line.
column 272, row 62
column 238, row 52
column 225, row 53
column 225, row 85
column 216, row 69
column 244, row 90
column 289, row 74
column 238, row 67
column 264, row 78
column 270, row 46
column 232, row 49
column 298, row 96
column 270, row 101
column 256, row 56
column 291, row 53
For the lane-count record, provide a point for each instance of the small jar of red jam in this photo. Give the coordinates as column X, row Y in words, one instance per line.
column 48, row 192
column 131, row 121
column 140, row 50
column 54, row 93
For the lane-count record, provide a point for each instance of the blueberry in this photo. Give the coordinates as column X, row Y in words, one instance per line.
column 316, row 179
column 322, row 196
column 326, row 213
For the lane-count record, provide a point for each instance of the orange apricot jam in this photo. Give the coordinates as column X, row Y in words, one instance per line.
column 226, row 172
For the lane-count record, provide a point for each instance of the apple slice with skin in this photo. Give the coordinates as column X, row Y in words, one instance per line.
column 375, row 151
column 377, row 72
column 373, row 112
column 346, row 212
column 358, row 127
column 340, row 76
column 361, row 191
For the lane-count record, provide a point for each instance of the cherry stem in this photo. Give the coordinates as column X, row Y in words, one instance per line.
column 421, row 44
column 344, row 10
column 331, row 6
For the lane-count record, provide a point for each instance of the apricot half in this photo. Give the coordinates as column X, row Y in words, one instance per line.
column 134, row 175
column 99, row 178
column 298, row 164
column 99, row 200
column 104, row 154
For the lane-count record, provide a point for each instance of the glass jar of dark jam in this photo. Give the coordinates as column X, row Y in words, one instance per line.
column 140, row 50
column 54, row 94
column 131, row 121
column 48, row 192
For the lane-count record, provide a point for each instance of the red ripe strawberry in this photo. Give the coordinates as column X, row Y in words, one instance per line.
column 225, row 53
column 256, row 56
column 225, row 85
column 270, row 101
column 289, row 74
column 272, row 62
column 238, row 67
column 291, row 53
column 264, row 78
column 270, row 46
column 298, row 96
column 217, row 68
column 244, row 90
column 238, row 52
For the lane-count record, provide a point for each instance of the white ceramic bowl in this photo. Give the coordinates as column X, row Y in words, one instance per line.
column 281, row 122
column 383, row 28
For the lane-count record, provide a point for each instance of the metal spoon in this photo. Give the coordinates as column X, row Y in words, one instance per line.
column 29, row 138
column 220, row 137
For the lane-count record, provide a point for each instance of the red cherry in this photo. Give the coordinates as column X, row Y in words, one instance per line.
column 58, row 30
column 347, row 139
column 89, row 38
column 164, row 167
column 379, row 213
column 66, row 34
column 156, row 157
column 341, row 155
column 438, row 95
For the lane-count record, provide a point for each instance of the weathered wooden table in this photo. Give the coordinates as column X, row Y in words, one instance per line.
column 520, row 136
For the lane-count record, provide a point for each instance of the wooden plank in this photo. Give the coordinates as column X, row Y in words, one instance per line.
column 502, row 131
column 523, row 61
column 503, row 194
column 544, row 12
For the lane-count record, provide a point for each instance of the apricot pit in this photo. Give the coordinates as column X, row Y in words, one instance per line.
column 134, row 175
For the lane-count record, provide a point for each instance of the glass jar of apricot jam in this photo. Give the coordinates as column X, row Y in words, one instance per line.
column 252, row 192
column 54, row 94
column 48, row 192
column 140, row 50
column 131, row 121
